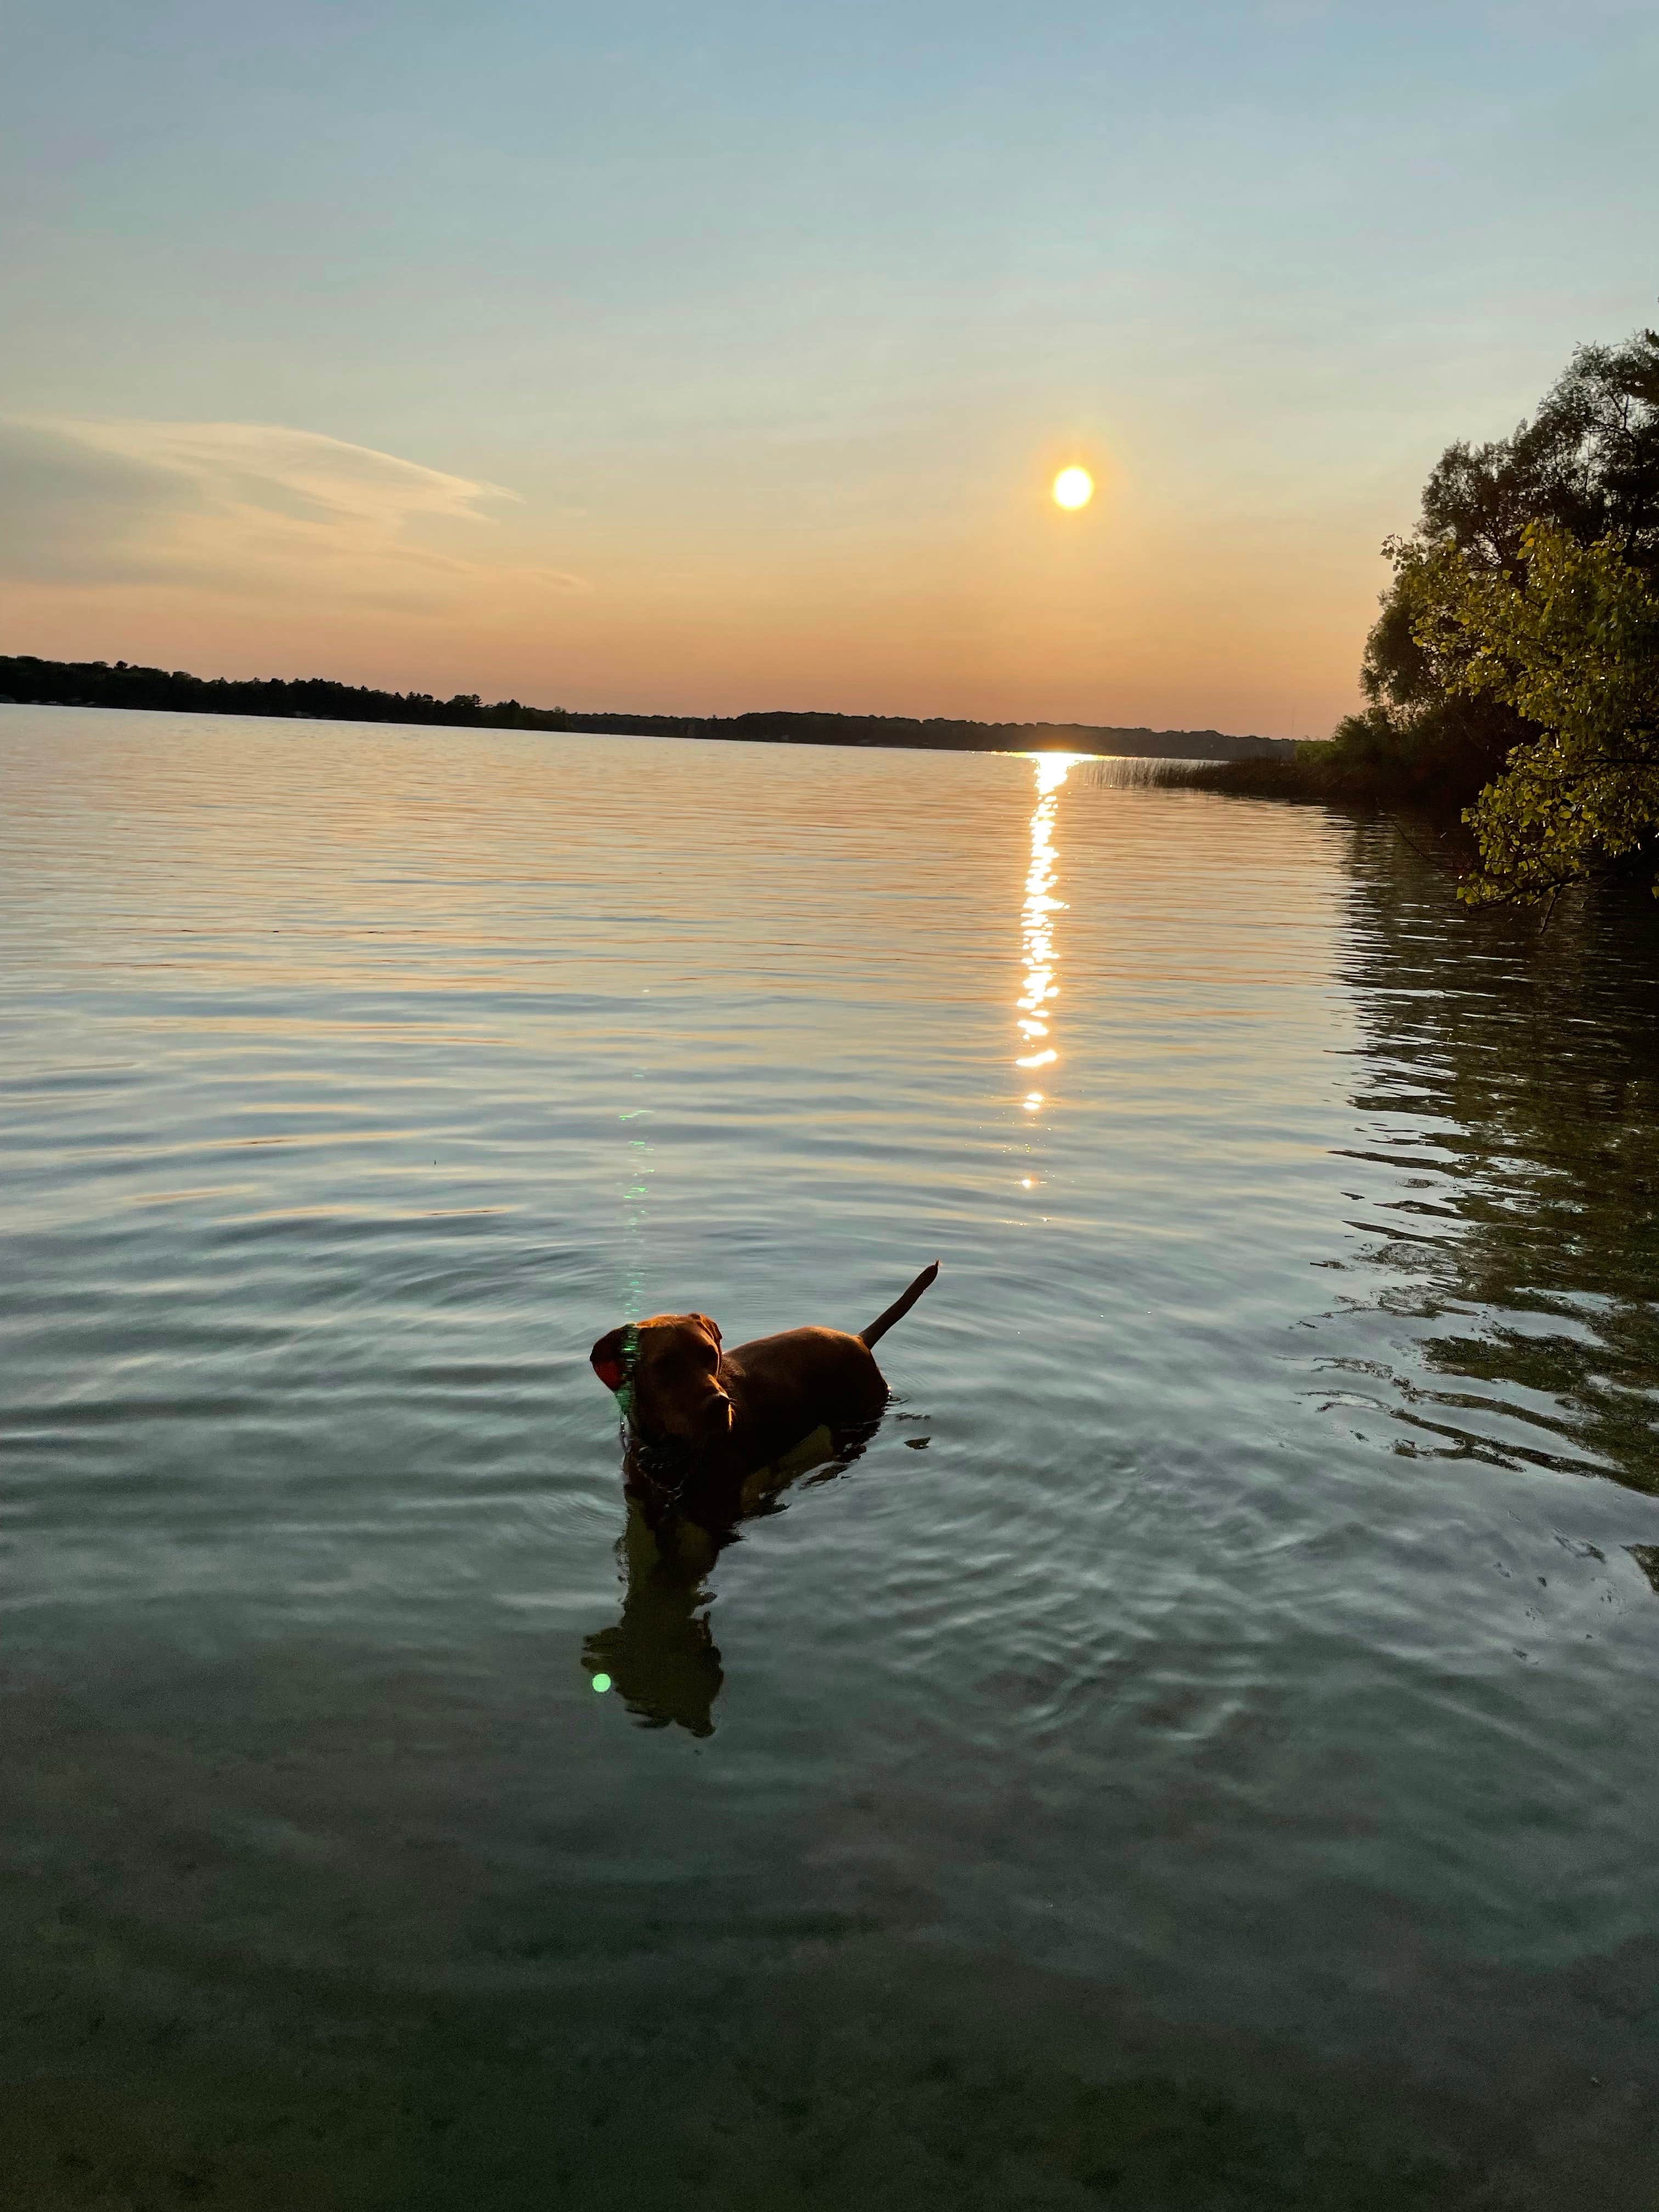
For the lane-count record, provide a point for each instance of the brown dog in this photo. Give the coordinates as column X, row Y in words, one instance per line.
column 700, row 1419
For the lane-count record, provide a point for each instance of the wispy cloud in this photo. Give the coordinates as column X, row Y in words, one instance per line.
column 250, row 510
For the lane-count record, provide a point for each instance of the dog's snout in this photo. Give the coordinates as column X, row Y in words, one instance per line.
column 713, row 1419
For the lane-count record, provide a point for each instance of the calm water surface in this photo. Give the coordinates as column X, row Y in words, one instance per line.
column 1204, row 1752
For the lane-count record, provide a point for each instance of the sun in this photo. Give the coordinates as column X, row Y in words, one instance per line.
column 1073, row 487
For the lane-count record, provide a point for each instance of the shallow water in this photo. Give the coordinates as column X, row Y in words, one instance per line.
column 1203, row 1751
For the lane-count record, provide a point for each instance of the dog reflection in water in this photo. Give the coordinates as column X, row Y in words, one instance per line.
column 714, row 1437
column 661, row 1655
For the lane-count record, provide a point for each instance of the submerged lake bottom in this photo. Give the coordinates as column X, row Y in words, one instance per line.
column 1199, row 1752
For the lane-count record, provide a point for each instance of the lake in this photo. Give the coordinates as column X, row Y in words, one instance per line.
column 1203, row 1752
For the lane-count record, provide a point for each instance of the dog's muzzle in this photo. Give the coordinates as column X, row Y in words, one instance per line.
column 720, row 1418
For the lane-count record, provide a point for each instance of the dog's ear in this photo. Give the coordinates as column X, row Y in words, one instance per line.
column 609, row 1358
column 713, row 1327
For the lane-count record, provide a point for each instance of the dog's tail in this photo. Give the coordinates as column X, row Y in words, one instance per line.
column 900, row 1307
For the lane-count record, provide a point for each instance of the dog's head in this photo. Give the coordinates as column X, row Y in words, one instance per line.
column 666, row 1373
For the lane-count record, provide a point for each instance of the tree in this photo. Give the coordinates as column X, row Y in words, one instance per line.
column 1571, row 646
column 1587, row 464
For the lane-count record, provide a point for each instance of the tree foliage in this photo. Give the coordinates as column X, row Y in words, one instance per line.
column 1586, row 467
column 1571, row 646
column 1588, row 462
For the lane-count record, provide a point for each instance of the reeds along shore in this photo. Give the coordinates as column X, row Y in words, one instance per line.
column 1296, row 779
column 1244, row 779
column 1318, row 773
column 1286, row 778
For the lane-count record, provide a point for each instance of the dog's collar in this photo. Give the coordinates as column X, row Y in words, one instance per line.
column 659, row 1464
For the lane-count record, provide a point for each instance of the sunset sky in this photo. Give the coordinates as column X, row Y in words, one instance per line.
column 717, row 358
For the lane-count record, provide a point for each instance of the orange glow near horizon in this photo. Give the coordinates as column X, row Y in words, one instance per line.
column 281, row 552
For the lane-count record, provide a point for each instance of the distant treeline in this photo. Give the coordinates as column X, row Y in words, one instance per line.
column 102, row 684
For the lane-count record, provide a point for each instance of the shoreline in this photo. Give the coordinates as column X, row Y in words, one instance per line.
column 28, row 680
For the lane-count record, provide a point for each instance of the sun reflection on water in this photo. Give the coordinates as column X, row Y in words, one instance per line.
column 1036, row 924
